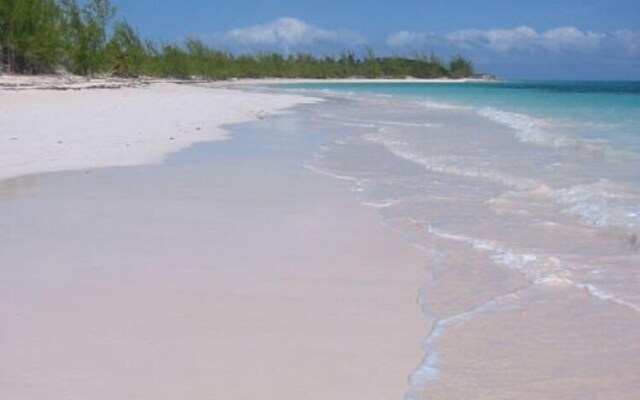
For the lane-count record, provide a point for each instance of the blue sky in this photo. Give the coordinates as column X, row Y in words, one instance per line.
column 514, row 39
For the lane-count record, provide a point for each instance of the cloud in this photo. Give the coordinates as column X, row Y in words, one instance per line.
column 523, row 51
column 495, row 39
column 288, row 34
column 523, row 39
column 567, row 51
column 409, row 39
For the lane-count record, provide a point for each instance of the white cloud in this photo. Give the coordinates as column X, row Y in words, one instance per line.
column 625, row 40
column 288, row 33
column 494, row 39
column 571, row 37
column 523, row 39
column 407, row 38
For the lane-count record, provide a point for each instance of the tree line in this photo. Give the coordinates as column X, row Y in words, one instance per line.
column 42, row 36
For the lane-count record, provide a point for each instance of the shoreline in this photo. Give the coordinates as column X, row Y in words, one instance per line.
column 92, row 124
column 75, row 82
column 148, row 127
column 357, row 80
column 503, row 257
column 274, row 257
column 235, row 275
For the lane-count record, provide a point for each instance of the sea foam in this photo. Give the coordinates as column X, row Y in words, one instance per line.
column 602, row 204
column 526, row 128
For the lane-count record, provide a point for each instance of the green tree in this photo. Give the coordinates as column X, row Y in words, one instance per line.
column 30, row 35
column 174, row 62
column 347, row 64
column 125, row 52
column 38, row 35
column 371, row 65
column 460, row 67
column 429, row 66
column 85, row 34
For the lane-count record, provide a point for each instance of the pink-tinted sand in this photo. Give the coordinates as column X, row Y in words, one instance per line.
column 243, row 280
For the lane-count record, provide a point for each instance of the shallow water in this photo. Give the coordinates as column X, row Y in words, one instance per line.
column 531, row 288
column 533, row 284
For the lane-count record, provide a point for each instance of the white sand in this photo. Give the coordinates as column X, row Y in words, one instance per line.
column 261, row 284
column 243, row 277
column 408, row 79
column 53, row 130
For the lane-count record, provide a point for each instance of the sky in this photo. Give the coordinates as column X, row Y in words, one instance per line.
column 543, row 39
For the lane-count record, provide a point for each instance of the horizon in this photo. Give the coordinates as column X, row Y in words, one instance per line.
column 572, row 39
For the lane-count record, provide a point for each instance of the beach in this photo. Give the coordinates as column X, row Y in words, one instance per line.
column 378, row 240
column 525, row 200
column 51, row 125
column 235, row 274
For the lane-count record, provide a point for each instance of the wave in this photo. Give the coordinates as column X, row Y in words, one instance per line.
column 368, row 123
column 534, row 267
column 541, row 132
column 383, row 204
column 539, row 269
column 427, row 371
column 447, row 165
column 527, row 129
column 334, row 175
column 442, row 105
column 603, row 204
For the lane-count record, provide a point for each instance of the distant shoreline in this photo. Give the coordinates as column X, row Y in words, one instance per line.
column 77, row 82
column 363, row 80
column 193, row 113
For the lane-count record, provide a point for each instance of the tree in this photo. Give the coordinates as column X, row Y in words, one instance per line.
column 30, row 35
column 7, row 34
column 125, row 52
column 174, row 62
column 347, row 64
column 85, row 34
column 40, row 35
column 460, row 67
column 428, row 66
column 371, row 65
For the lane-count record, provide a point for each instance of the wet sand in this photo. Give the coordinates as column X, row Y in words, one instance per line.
column 525, row 300
column 355, row 248
column 228, row 272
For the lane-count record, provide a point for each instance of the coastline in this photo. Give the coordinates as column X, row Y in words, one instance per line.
column 226, row 271
column 408, row 80
column 286, row 263
column 522, row 295
column 57, row 124
column 154, row 117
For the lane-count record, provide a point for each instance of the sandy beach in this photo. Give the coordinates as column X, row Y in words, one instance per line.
column 53, row 125
column 304, row 201
column 165, row 240
column 227, row 271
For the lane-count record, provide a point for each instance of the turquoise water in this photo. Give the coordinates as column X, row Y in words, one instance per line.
column 606, row 112
column 525, row 197
column 590, row 131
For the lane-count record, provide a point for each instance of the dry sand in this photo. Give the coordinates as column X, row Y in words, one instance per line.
column 243, row 277
column 44, row 128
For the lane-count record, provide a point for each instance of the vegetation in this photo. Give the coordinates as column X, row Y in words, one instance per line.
column 30, row 34
column 39, row 36
column 460, row 67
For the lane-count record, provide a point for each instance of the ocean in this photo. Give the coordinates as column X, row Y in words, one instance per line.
column 525, row 198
